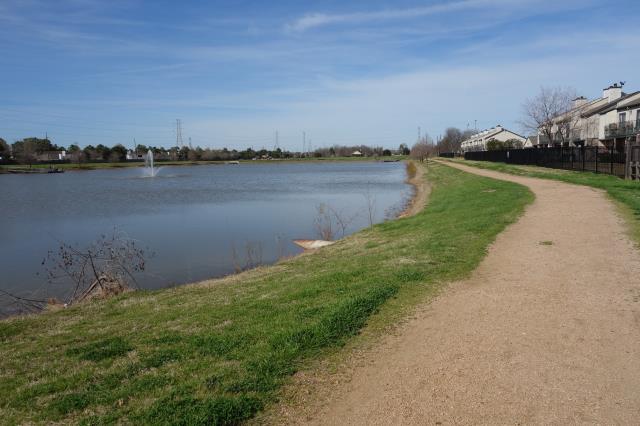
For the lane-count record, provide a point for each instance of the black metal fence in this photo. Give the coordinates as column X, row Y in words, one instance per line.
column 590, row 158
column 634, row 163
column 447, row 154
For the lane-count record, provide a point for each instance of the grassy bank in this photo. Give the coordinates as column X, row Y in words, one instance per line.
column 217, row 352
column 97, row 166
column 626, row 193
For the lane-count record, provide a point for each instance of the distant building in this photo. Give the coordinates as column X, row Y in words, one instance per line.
column 52, row 156
column 133, row 155
column 356, row 154
column 478, row 141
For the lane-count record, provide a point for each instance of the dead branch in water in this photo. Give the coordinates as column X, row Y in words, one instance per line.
column 371, row 204
column 106, row 267
column 252, row 256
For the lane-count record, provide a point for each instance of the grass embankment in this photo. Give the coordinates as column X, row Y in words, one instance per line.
column 96, row 166
column 218, row 352
column 626, row 193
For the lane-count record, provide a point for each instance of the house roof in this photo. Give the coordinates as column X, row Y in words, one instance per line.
column 596, row 106
column 628, row 101
column 489, row 133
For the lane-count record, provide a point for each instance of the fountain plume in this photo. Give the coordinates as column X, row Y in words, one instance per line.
column 150, row 171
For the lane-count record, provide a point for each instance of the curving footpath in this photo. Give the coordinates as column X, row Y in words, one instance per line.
column 545, row 331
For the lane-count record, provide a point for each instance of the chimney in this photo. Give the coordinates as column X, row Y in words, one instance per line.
column 612, row 92
column 578, row 102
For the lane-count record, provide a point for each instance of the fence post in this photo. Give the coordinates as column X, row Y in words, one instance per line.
column 561, row 157
column 573, row 150
column 597, row 148
column 584, row 153
column 611, row 159
column 627, row 158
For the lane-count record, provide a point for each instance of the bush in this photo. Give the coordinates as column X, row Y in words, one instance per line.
column 411, row 170
column 495, row 145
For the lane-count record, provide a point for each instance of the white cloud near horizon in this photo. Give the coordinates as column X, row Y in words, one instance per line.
column 387, row 110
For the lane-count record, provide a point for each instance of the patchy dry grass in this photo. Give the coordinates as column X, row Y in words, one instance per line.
column 218, row 352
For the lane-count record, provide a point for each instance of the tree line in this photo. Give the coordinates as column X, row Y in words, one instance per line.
column 32, row 150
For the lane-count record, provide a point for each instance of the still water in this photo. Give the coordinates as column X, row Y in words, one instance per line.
column 190, row 217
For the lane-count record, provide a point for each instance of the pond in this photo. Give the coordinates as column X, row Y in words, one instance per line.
column 199, row 221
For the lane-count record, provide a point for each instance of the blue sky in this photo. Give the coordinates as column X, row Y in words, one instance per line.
column 234, row 72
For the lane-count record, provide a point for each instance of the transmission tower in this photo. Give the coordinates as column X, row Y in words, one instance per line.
column 179, row 142
column 190, row 146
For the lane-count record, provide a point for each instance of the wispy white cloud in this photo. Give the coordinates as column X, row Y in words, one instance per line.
column 501, row 7
column 321, row 19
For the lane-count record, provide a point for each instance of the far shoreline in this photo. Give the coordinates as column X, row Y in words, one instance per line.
column 7, row 168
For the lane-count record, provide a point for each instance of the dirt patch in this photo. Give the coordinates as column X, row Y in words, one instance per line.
column 539, row 334
column 421, row 190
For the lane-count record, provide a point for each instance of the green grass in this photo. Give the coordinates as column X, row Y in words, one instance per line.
column 219, row 352
column 626, row 193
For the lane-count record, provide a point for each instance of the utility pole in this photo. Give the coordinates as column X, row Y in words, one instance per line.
column 475, row 125
column 304, row 142
column 277, row 141
column 419, row 133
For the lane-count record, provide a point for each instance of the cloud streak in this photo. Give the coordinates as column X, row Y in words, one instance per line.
column 501, row 7
column 314, row 20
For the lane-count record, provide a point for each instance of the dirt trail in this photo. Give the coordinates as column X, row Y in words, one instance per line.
column 545, row 331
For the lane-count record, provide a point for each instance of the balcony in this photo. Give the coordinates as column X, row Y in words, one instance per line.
column 622, row 129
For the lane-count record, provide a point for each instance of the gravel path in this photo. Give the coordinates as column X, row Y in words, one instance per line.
column 545, row 331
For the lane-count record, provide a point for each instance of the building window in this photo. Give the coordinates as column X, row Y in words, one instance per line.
column 622, row 117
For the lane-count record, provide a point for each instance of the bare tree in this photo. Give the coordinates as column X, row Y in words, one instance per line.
column 423, row 149
column 342, row 220
column 252, row 257
column 371, row 205
column 328, row 220
column 549, row 114
column 323, row 222
column 451, row 140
